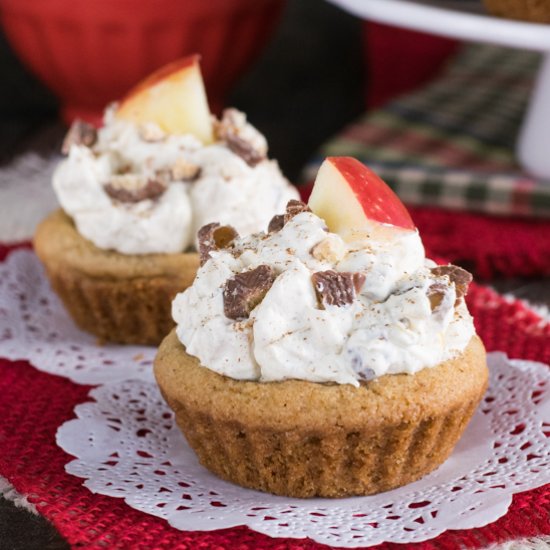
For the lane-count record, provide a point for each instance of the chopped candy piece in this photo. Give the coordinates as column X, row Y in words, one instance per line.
column 246, row 290
column 276, row 224
column 330, row 249
column 460, row 277
column 244, row 149
column 185, row 170
column 80, row 133
column 149, row 131
column 206, row 241
column 133, row 188
column 436, row 293
column 295, row 207
column 336, row 288
column 214, row 237
column 244, row 140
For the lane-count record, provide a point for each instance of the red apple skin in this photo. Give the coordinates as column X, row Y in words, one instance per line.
column 161, row 74
column 378, row 201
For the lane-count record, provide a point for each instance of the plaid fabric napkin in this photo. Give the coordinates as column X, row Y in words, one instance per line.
column 451, row 144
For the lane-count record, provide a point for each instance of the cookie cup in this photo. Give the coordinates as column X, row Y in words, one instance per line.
column 304, row 439
column 117, row 297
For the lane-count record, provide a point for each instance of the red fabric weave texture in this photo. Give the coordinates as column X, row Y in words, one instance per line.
column 487, row 245
column 34, row 404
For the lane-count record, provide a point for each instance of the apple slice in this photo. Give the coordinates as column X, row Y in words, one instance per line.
column 172, row 97
column 350, row 198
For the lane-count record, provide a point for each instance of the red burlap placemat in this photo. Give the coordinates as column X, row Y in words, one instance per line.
column 34, row 404
column 488, row 246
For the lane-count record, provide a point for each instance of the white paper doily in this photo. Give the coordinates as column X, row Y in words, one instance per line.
column 35, row 326
column 26, row 194
column 127, row 446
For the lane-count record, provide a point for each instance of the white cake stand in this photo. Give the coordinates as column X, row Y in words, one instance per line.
column 467, row 20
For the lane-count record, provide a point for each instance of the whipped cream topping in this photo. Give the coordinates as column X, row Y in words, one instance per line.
column 203, row 184
column 391, row 326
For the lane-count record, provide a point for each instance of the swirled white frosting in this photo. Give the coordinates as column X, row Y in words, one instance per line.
column 227, row 190
column 388, row 328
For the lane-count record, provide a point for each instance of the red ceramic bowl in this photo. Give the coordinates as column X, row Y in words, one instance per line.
column 90, row 52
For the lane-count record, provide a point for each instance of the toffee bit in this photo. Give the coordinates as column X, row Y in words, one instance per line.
column 358, row 281
column 80, row 133
column 231, row 122
column 151, row 132
column 328, row 250
column 436, row 292
column 121, row 189
column 164, row 176
column 276, row 224
column 460, row 277
column 224, row 236
column 185, row 170
column 246, row 290
column 206, row 241
column 244, row 149
column 242, row 138
column 295, row 207
column 214, row 236
column 335, row 288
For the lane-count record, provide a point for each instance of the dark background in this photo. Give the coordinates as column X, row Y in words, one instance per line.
column 306, row 85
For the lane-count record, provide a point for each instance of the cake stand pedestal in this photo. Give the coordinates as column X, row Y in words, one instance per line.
column 467, row 20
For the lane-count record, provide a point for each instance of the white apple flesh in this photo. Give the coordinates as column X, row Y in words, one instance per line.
column 174, row 98
column 351, row 198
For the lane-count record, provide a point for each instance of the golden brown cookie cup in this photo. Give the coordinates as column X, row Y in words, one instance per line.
column 536, row 11
column 305, row 439
column 117, row 297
